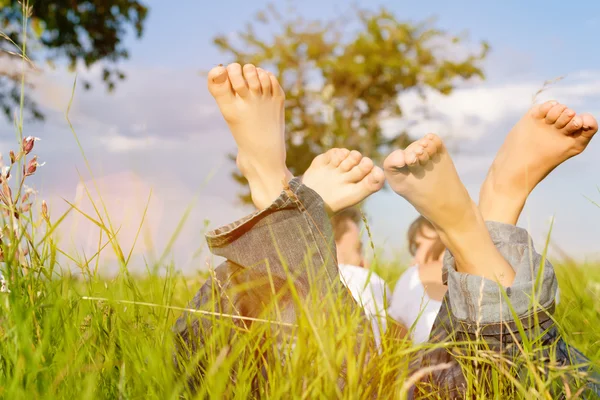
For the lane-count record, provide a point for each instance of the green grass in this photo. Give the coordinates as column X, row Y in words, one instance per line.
column 56, row 344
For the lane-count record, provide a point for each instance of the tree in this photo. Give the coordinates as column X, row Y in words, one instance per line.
column 340, row 85
column 82, row 31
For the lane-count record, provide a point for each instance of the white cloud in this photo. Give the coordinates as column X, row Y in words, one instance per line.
column 150, row 102
column 473, row 112
column 115, row 142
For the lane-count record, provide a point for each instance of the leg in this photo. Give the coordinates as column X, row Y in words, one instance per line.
column 548, row 135
column 474, row 308
column 283, row 251
column 425, row 175
column 252, row 103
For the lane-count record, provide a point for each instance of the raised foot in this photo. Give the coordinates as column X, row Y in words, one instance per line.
column 252, row 103
column 343, row 178
column 546, row 136
column 424, row 174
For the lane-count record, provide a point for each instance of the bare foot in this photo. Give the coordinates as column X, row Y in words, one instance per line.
column 424, row 174
column 343, row 178
column 548, row 135
column 252, row 103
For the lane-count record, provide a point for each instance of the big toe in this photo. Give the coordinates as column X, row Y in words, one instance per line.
column 218, row 83
column 590, row 125
column 394, row 161
column 323, row 159
column 337, row 156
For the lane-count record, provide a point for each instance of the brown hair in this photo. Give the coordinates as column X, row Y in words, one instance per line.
column 339, row 221
column 416, row 228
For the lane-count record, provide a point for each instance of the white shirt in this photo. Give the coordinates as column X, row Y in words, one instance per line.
column 411, row 306
column 370, row 291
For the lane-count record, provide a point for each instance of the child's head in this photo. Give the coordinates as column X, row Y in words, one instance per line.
column 424, row 243
column 346, row 232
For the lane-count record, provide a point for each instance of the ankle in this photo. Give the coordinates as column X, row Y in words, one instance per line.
column 266, row 182
column 475, row 254
column 461, row 223
column 501, row 206
column 265, row 191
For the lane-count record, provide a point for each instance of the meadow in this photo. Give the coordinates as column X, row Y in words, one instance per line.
column 94, row 338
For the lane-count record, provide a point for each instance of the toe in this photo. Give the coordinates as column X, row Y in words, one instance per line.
column 428, row 146
column 394, row 161
column 415, row 151
column 251, row 76
column 411, row 157
column 590, row 125
column 323, row 159
column 359, row 172
column 435, row 143
column 375, row 179
column 422, row 154
column 265, row 82
column 554, row 113
column 218, row 83
column 337, row 156
column 540, row 111
column 574, row 125
column 237, row 79
column 350, row 161
column 564, row 118
column 589, row 122
column 277, row 89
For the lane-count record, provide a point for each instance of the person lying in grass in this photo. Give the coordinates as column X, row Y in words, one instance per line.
column 418, row 294
column 368, row 289
column 500, row 294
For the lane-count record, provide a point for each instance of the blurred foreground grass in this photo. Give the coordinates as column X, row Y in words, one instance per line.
column 57, row 345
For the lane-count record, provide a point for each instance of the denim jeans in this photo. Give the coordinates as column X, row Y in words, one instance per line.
column 288, row 244
column 292, row 241
column 478, row 318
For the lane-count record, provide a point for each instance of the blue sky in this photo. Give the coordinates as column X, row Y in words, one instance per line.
column 161, row 131
column 530, row 37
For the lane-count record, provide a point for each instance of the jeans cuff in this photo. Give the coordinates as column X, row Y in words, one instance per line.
column 474, row 299
column 292, row 235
